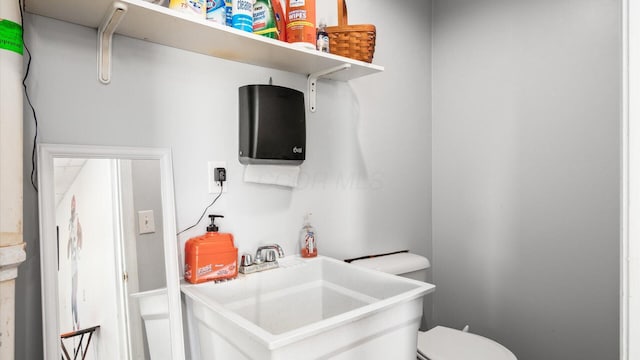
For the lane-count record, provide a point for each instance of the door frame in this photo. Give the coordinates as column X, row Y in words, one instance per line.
column 630, row 183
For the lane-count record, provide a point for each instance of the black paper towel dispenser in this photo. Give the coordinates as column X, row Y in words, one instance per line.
column 272, row 125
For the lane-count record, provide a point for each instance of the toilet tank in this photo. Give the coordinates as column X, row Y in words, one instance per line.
column 404, row 264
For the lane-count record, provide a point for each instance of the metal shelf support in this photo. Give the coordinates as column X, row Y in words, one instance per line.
column 107, row 28
column 312, row 81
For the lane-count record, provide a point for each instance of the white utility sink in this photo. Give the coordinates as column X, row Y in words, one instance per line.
column 318, row 308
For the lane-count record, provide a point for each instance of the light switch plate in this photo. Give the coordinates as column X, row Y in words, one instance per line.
column 146, row 224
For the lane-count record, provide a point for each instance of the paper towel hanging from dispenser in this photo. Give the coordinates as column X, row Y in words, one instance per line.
column 272, row 125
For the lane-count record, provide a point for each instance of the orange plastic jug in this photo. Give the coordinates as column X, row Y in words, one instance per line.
column 211, row 256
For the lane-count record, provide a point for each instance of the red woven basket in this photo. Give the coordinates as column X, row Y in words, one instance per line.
column 356, row 42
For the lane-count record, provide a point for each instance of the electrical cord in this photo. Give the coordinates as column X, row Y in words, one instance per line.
column 205, row 210
column 33, row 110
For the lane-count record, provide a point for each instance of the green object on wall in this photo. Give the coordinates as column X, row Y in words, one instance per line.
column 11, row 36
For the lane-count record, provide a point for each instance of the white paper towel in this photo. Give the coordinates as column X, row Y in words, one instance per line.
column 282, row 175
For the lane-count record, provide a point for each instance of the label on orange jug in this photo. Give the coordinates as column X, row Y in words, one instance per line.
column 301, row 24
column 208, row 272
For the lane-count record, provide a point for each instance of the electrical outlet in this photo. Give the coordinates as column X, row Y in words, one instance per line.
column 214, row 186
column 220, row 175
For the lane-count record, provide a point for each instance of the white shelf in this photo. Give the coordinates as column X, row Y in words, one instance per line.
column 164, row 26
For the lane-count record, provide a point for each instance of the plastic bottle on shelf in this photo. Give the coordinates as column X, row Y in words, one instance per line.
column 264, row 20
column 216, row 11
column 228, row 9
column 197, row 8
column 281, row 20
column 322, row 42
column 308, row 244
column 242, row 15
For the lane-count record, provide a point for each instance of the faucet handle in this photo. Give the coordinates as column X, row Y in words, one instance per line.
column 271, row 256
column 246, row 260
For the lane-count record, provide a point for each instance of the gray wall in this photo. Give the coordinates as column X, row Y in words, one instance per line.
column 367, row 177
column 149, row 247
column 525, row 173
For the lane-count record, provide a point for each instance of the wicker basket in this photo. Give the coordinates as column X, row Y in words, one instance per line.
column 353, row 41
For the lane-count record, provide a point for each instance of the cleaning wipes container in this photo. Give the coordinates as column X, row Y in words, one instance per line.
column 301, row 23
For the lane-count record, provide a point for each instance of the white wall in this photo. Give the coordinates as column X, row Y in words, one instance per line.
column 366, row 178
column 96, row 275
column 526, row 173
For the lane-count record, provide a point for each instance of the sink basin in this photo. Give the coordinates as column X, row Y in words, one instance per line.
column 318, row 308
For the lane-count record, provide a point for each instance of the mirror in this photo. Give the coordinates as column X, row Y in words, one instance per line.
column 109, row 263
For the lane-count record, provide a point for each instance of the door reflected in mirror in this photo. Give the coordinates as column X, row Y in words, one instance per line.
column 114, row 282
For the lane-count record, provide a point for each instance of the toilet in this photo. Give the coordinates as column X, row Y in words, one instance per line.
column 439, row 343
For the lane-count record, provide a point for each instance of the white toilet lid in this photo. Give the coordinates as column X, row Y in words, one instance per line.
column 443, row 343
column 396, row 264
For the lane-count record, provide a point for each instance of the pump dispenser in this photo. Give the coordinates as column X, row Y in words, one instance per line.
column 211, row 256
column 213, row 227
column 308, row 243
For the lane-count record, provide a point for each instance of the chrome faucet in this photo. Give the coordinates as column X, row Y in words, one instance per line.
column 259, row 259
column 260, row 263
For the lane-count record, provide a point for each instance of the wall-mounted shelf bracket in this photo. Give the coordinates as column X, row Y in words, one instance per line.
column 110, row 22
column 312, row 82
